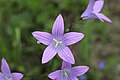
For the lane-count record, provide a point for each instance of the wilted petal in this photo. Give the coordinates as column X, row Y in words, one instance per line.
column 72, row 37
column 17, row 76
column 58, row 27
column 48, row 54
column 1, row 76
column 55, row 74
column 65, row 64
column 103, row 17
column 65, row 53
column 5, row 67
column 43, row 37
column 89, row 9
column 80, row 70
column 98, row 6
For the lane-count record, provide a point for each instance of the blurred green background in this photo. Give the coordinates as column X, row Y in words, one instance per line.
column 100, row 49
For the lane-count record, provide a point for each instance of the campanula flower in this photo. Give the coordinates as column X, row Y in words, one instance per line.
column 58, row 41
column 101, row 64
column 93, row 11
column 67, row 72
column 6, row 73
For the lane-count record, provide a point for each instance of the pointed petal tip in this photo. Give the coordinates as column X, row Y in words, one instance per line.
column 17, row 76
column 21, row 75
column 49, row 76
column 80, row 70
column 5, row 67
column 58, row 26
column 3, row 59
column 72, row 38
column 44, row 61
column 66, row 54
column 87, row 68
column 82, row 35
column 107, row 21
column 34, row 33
column 110, row 22
column 48, row 54
column 60, row 15
column 54, row 75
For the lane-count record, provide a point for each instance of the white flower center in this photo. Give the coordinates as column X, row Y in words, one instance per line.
column 65, row 73
column 57, row 43
column 8, row 77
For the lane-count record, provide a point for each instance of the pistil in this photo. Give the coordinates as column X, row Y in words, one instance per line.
column 57, row 43
column 65, row 73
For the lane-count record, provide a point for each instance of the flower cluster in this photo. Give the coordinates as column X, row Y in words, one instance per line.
column 57, row 43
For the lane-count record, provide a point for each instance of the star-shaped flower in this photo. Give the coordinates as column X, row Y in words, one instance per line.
column 67, row 72
column 6, row 73
column 93, row 11
column 58, row 41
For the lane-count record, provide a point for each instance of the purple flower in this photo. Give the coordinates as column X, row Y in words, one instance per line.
column 58, row 41
column 67, row 72
column 93, row 11
column 101, row 64
column 6, row 73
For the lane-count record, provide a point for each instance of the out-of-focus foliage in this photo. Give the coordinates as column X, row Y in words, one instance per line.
column 18, row 18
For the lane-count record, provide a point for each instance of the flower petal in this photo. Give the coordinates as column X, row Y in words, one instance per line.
column 48, row 54
column 65, row 64
column 89, row 8
column 102, row 17
column 90, row 16
column 43, row 37
column 58, row 27
column 75, row 78
column 80, row 70
column 1, row 76
column 98, row 6
column 72, row 37
column 17, row 76
column 55, row 74
column 5, row 67
column 65, row 53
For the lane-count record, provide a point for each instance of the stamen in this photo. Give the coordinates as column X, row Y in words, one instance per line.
column 57, row 43
column 65, row 73
column 55, row 40
column 8, row 77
